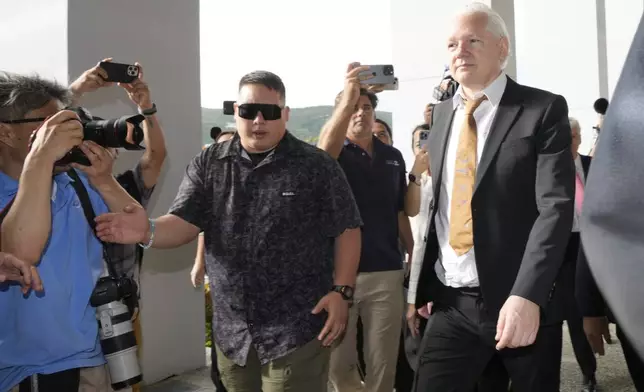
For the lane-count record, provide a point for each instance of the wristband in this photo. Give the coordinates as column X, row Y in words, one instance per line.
column 151, row 241
column 149, row 112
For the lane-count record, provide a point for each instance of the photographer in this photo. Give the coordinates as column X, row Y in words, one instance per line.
column 52, row 335
column 140, row 181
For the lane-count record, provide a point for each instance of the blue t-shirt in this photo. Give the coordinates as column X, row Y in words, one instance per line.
column 55, row 330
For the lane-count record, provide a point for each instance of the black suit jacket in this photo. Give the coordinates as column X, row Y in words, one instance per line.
column 522, row 206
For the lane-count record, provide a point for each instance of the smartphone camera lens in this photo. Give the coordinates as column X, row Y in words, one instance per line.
column 388, row 70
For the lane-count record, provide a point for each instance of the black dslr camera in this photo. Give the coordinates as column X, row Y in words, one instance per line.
column 447, row 87
column 109, row 289
column 124, row 132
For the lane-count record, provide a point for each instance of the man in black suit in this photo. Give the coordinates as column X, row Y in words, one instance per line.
column 504, row 187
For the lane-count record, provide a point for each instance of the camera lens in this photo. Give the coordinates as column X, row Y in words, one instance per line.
column 388, row 70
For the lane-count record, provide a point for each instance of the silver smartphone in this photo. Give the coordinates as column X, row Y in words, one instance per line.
column 392, row 86
column 423, row 140
column 381, row 74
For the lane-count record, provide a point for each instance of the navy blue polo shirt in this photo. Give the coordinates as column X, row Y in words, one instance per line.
column 379, row 184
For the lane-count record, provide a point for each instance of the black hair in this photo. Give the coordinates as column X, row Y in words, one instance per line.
column 214, row 133
column 387, row 127
column 266, row 79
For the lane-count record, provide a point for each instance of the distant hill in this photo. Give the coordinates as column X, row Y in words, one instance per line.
column 304, row 123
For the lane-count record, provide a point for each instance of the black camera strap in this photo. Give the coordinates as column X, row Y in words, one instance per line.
column 83, row 196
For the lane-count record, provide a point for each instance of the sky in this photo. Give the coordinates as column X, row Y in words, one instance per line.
column 307, row 43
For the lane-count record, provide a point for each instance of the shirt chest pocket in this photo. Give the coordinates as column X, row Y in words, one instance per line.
column 287, row 204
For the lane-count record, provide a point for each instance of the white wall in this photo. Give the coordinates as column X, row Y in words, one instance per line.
column 33, row 38
column 164, row 37
column 622, row 18
column 561, row 57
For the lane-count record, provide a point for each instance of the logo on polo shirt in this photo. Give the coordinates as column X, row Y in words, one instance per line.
column 288, row 194
column 392, row 162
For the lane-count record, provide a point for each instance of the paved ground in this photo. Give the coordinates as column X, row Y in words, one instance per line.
column 612, row 374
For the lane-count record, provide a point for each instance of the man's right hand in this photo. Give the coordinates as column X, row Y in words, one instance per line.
column 197, row 274
column 352, row 86
column 15, row 270
column 421, row 163
column 90, row 81
column 57, row 135
column 128, row 227
column 412, row 320
column 596, row 329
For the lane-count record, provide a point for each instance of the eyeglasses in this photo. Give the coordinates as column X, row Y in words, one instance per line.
column 24, row 120
column 249, row 111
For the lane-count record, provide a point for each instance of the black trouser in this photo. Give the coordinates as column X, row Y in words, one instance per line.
column 458, row 344
column 404, row 372
column 583, row 351
column 64, row 381
column 214, row 371
column 633, row 361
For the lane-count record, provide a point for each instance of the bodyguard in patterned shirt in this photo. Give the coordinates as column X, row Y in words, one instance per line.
column 282, row 236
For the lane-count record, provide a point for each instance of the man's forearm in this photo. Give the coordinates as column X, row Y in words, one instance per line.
column 334, row 131
column 114, row 195
column 26, row 227
column 347, row 257
column 201, row 251
column 412, row 199
column 170, row 231
column 155, row 151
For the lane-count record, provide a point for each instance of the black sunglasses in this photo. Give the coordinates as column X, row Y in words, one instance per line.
column 24, row 120
column 249, row 111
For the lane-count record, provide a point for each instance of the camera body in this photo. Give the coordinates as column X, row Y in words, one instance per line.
column 115, row 299
column 124, row 132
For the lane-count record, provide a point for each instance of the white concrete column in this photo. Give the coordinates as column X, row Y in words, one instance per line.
column 621, row 20
column 61, row 39
column 557, row 50
column 505, row 8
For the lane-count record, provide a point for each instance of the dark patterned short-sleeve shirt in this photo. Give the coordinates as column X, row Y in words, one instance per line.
column 269, row 233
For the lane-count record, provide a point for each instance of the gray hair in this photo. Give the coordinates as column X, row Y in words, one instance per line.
column 495, row 23
column 574, row 123
column 21, row 94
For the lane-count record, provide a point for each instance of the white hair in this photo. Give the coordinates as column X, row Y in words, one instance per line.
column 495, row 23
column 574, row 123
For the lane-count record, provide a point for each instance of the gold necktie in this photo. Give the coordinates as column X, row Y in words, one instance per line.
column 461, row 236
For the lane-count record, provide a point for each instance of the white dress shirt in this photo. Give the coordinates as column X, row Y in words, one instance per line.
column 419, row 229
column 454, row 270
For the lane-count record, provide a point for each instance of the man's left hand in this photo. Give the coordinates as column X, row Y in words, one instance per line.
column 102, row 161
column 518, row 323
column 338, row 310
column 15, row 270
column 138, row 91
